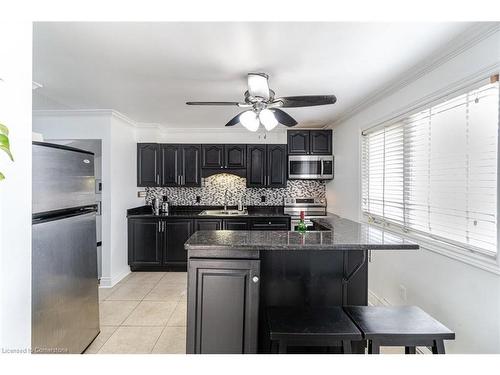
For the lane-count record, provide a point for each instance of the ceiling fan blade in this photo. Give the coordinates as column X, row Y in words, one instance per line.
column 283, row 117
column 235, row 120
column 214, row 103
column 258, row 85
column 306, row 100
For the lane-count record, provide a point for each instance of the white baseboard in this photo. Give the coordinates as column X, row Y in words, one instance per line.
column 375, row 300
column 109, row 282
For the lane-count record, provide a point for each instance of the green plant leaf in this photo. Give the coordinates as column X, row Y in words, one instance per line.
column 5, row 146
column 3, row 129
column 2, row 177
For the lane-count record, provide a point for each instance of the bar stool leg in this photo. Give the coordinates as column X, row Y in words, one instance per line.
column 438, row 347
column 346, row 347
column 282, row 347
column 374, row 347
column 410, row 350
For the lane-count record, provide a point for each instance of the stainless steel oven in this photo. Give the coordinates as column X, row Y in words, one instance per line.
column 312, row 207
column 310, row 167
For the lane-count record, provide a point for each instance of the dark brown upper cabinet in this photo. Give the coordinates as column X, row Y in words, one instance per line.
column 266, row 165
column 190, row 166
column 310, row 142
column 212, row 156
column 235, row 156
column 148, row 166
column 217, row 156
column 298, row 142
column 276, row 165
column 168, row 165
column 169, row 161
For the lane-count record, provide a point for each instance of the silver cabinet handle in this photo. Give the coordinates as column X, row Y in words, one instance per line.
column 158, row 179
column 255, row 279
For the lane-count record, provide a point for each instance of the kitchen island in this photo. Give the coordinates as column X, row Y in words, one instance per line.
column 233, row 276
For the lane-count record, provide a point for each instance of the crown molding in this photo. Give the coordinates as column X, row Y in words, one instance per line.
column 466, row 40
column 85, row 112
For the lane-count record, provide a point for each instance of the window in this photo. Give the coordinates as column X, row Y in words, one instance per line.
column 434, row 172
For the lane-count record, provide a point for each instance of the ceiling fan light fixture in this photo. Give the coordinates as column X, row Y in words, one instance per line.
column 267, row 118
column 250, row 121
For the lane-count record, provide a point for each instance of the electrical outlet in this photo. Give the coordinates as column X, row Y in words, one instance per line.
column 141, row 194
column 263, row 198
column 402, row 293
column 198, row 199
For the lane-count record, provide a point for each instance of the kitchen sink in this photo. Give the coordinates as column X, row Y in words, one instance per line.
column 223, row 213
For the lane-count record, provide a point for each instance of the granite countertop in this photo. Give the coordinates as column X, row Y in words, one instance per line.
column 194, row 212
column 343, row 235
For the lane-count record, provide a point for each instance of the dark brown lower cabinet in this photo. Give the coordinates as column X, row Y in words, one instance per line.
column 223, row 306
column 236, row 224
column 155, row 244
column 208, row 224
column 176, row 234
column 144, row 242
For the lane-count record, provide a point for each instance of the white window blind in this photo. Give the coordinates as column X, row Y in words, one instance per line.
column 434, row 172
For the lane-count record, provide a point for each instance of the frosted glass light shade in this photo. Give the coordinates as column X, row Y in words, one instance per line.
column 250, row 121
column 268, row 119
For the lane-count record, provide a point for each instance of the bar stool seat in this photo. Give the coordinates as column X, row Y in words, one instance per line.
column 407, row 326
column 289, row 326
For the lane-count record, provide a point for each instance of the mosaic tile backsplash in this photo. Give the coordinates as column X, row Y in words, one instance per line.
column 213, row 188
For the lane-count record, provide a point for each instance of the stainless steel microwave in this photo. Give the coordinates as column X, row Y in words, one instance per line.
column 310, row 167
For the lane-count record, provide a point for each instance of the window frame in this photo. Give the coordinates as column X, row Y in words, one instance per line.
column 469, row 254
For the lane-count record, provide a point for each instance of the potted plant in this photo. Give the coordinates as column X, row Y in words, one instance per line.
column 4, row 144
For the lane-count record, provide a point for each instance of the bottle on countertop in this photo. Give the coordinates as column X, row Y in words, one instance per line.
column 301, row 227
column 156, row 206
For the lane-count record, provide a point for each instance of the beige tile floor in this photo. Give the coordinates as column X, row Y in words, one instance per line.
column 144, row 313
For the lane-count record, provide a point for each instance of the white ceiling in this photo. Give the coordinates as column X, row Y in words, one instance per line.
column 148, row 71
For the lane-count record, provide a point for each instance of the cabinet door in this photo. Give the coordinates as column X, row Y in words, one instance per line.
column 208, row 224
column 148, row 169
column 235, row 156
column 177, row 232
column 144, row 242
column 256, row 166
column 298, row 142
column 223, row 306
column 169, row 161
column 276, row 165
column 235, row 224
column 191, row 165
column 212, row 156
column 321, row 142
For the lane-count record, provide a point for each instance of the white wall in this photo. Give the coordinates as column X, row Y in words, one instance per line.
column 118, row 175
column 462, row 296
column 15, row 190
column 123, row 180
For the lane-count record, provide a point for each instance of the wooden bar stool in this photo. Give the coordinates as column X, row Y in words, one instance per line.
column 407, row 326
column 289, row 326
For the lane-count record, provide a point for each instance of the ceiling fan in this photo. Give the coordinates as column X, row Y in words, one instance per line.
column 264, row 107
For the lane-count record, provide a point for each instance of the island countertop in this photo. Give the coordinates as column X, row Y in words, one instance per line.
column 344, row 235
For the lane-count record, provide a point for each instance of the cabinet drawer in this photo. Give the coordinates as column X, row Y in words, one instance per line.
column 270, row 224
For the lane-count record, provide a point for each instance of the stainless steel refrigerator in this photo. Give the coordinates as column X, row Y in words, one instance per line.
column 65, row 302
